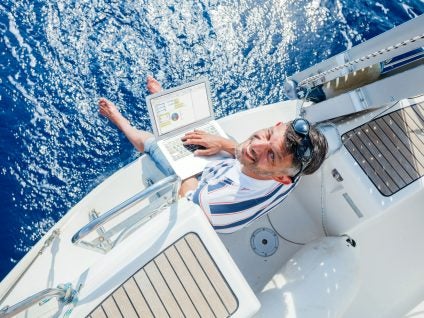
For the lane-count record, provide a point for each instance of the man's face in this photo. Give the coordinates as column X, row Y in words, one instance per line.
column 263, row 155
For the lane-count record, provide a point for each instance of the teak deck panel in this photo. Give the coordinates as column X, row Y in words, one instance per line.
column 182, row 281
column 390, row 149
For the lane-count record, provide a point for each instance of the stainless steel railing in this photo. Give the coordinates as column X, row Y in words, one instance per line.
column 168, row 182
column 10, row 311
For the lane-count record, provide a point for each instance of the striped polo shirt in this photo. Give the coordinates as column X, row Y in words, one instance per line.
column 231, row 199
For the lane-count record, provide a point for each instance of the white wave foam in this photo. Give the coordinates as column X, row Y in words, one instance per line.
column 39, row 112
column 15, row 31
column 383, row 8
column 409, row 10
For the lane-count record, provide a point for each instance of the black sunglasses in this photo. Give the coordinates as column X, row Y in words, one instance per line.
column 303, row 151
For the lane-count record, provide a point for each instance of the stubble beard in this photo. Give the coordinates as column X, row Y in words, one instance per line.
column 251, row 167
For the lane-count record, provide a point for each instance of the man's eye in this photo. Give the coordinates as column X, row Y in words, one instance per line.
column 271, row 156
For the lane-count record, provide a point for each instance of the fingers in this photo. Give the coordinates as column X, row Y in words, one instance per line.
column 191, row 139
column 201, row 132
column 195, row 134
column 204, row 152
column 194, row 141
column 201, row 138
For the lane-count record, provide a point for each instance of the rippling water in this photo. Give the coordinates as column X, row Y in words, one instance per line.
column 58, row 57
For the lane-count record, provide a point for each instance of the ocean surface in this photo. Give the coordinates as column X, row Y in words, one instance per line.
column 58, row 57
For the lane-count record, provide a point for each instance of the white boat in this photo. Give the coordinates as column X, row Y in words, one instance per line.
column 345, row 243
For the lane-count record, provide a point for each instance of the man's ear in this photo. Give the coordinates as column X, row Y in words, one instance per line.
column 283, row 179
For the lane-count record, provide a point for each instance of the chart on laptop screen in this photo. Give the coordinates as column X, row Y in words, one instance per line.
column 180, row 108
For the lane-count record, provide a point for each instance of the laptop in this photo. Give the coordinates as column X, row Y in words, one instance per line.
column 178, row 110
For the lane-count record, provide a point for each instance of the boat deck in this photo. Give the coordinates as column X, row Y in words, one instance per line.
column 182, row 281
column 390, row 148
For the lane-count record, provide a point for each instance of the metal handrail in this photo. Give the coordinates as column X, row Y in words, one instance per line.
column 323, row 76
column 11, row 311
column 399, row 40
column 47, row 242
column 117, row 210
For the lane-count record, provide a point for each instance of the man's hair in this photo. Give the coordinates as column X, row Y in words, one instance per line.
column 319, row 148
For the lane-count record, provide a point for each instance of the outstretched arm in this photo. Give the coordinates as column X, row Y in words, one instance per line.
column 212, row 143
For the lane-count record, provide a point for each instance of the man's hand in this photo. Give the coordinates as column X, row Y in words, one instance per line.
column 212, row 143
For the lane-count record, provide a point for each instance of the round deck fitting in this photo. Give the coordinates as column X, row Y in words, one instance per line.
column 264, row 242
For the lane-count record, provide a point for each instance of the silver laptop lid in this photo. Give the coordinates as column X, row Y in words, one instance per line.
column 181, row 108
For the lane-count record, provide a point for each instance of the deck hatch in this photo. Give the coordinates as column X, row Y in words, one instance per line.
column 390, row 149
column 182, row 281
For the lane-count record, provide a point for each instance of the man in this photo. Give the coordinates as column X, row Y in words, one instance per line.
column 234, row 192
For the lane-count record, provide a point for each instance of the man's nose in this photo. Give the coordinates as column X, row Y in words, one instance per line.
column 259, row 146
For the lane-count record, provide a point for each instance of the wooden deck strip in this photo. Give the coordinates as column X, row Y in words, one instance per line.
column 390, row 149
column 409, row 139
column 137, row 298
column 384, row 152
column 370, row 171
column 110, row 308
column 415, row 126
column 400, row 136
column 397, row 148
column 150, row 294
column 98, row 313
column 222, row 289
column 393, row 179
column 376, row 172
column 408, row 125
column 419, row 111
column 415, row 116
column 124, row 303
column 182, row 281
column 167, row 298
column 176, row 287
column 200, row 277
column 189, row 283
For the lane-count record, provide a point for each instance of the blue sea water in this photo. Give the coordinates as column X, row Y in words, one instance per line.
column 58, row 57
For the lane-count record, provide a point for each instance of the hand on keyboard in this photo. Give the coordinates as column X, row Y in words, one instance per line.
column 193, row 148
column 211, row 144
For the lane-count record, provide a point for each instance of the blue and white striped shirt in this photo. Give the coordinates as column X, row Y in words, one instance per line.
column 231, row 199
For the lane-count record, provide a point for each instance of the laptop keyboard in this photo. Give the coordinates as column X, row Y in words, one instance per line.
column 178, row 150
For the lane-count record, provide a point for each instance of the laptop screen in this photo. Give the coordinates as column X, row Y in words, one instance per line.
column 180, row 108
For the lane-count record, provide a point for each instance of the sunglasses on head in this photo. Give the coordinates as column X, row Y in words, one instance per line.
column 303, row 151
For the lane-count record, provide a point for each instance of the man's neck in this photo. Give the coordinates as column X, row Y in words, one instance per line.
column 255, row 175
column 284, row 179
